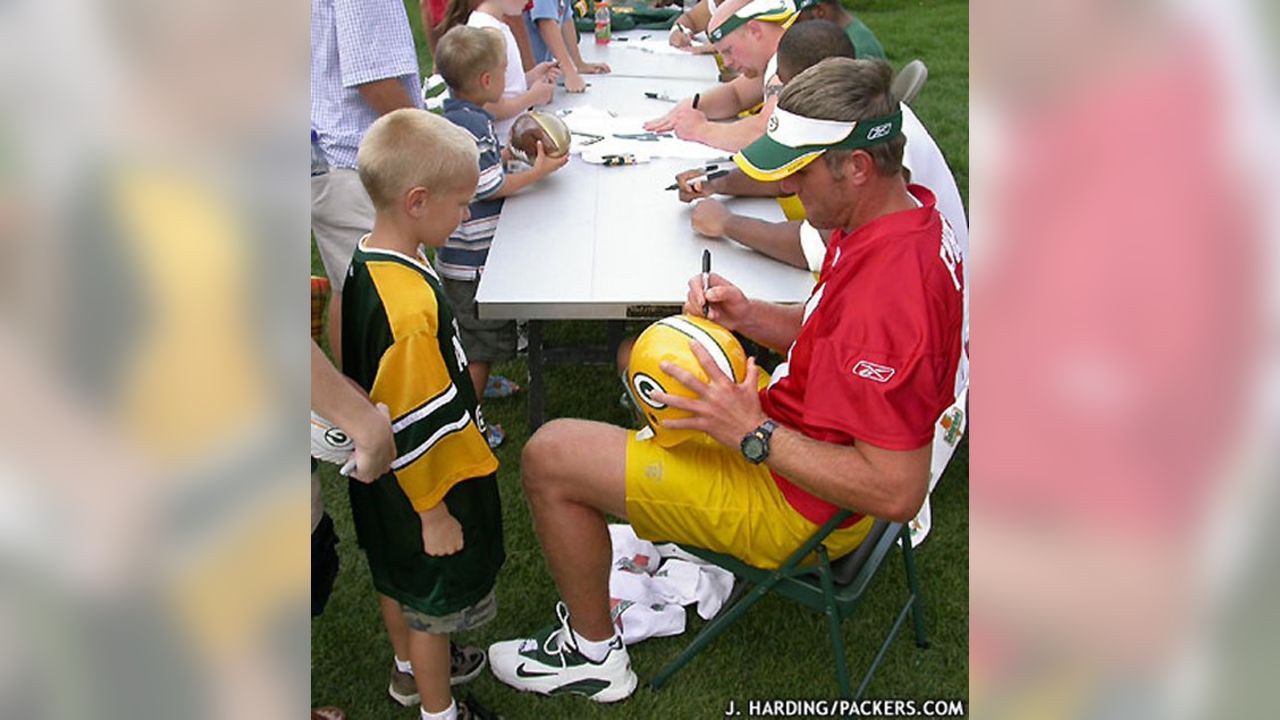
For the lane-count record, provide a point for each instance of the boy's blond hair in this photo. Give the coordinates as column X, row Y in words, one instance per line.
column 465, row 53
column 410, row 148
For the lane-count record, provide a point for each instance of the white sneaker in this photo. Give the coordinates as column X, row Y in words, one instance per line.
column 550, row 664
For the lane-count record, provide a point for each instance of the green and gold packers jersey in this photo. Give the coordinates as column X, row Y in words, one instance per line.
column 400, row 344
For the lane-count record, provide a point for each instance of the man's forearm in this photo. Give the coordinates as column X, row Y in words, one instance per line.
column 733, row 136
column 385, row 95
column 874, row 481
column 738, row 184
column 775, row 326
column 336, row 398
column 780, row 240
column 719, row 102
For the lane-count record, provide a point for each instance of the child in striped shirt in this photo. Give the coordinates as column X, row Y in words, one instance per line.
column 473, row 63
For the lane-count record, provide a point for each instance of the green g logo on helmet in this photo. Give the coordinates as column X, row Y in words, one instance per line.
column 668, row 340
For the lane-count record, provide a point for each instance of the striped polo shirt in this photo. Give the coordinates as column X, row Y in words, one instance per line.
column 464, row 253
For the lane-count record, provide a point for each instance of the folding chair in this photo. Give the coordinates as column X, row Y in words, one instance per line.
column 909, row 81
column 832, row 588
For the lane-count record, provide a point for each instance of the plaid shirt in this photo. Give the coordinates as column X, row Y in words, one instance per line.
column 355, row 42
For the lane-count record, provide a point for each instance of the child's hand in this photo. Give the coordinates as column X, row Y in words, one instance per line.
column 594, row 68
column 542, row 93
column 441, row 532
column 574, row 83
column 544, row 164
column 544, row 72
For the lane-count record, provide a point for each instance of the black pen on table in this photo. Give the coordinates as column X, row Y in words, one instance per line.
column 702, row 178
column 706, row 280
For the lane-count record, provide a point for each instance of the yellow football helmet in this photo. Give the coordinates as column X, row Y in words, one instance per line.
column 668, row 340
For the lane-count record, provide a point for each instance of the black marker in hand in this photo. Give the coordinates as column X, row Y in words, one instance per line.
column 706, row 280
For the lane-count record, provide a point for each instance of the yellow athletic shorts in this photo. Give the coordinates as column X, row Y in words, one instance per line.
column 704, row 494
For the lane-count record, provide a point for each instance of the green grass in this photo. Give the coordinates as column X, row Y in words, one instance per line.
column 778, row 650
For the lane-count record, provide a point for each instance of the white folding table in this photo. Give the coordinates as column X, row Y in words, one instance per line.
column 610, row 243
column 625, row 60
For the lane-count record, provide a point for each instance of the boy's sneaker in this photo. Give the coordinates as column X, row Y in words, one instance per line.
column 465, row 664
column 403, row 689
column 550, row 664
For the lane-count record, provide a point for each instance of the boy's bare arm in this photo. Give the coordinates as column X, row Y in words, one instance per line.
column 553, row 36
column 543, row 166
column 509, row 107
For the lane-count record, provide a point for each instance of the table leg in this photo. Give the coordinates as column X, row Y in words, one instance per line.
column 537, row 379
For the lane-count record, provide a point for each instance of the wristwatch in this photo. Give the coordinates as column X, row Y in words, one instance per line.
column 755, row 445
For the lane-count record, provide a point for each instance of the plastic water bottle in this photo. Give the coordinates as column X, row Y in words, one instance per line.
column 604, row 28
column 319, row 165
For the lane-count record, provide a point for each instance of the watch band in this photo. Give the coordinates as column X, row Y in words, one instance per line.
column 766, row 428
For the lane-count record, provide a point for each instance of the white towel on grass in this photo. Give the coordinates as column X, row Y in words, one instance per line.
column 649, row 586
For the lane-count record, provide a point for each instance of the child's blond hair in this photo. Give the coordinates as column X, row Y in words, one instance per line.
column 410, row 148
column 465, row 53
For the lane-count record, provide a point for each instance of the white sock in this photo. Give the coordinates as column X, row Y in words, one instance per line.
column 593, row 650
column 404, row 666
column 449, row 713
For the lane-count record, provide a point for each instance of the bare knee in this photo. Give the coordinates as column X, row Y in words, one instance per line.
column 546, row 456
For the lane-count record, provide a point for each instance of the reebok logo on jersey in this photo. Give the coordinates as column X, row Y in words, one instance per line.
column 872, row 371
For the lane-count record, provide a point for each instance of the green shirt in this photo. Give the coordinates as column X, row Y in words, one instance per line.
column 865, row 44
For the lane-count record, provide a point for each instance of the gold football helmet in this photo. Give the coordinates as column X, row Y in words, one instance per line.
column 668, row 340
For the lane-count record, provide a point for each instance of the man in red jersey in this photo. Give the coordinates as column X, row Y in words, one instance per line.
column 846, row 422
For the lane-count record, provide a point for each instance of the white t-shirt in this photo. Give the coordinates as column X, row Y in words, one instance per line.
column 929, row 168
column 770, row 72
column 515, row 82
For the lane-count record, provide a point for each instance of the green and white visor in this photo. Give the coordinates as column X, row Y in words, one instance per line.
column 775, row 11
column 793, row 141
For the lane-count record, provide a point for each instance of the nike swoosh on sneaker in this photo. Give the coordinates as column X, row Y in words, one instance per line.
column 531, row 674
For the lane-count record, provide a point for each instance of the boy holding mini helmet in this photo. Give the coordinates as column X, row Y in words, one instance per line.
column 473, row 62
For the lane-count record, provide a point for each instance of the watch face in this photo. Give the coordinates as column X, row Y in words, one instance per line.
column 753, row 448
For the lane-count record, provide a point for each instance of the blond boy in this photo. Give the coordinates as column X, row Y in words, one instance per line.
column 432, row 527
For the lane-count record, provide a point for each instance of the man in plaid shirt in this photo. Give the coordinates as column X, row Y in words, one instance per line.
column 363, row 65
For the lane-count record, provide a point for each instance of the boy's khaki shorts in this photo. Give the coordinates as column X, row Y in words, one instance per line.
column 704, row 494
column 487, row 341
column 465, row 619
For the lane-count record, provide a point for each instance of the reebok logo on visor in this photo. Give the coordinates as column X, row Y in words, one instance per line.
column 871, row 371
column 773, row 123
column 879, row 131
